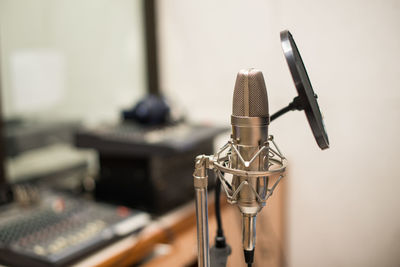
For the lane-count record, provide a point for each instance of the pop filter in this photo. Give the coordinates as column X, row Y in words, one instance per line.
column 306, row 99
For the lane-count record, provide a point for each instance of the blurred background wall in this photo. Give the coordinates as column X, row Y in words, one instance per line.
column 89, row 54
column 343, row 206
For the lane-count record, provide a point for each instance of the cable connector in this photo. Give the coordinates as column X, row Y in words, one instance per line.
column 249, row 256
column 220, row 242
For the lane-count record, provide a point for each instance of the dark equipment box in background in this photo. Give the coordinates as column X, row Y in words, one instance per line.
column 23, row 135
column 147, row 168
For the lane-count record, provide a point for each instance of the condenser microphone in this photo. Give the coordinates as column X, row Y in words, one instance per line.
column 250, row 120
column 245, row 163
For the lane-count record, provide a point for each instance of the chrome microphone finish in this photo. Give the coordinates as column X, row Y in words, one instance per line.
column 250, row 120
column 243, row 165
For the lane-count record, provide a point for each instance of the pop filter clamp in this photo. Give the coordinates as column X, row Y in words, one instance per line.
column 275, row 163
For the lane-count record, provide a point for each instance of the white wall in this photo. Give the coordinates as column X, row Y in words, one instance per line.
column 102, row 44
column 343, row 202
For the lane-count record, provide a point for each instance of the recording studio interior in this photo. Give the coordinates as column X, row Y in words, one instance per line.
column 192, row 133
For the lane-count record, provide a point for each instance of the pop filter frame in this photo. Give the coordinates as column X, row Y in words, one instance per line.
column 306, row 99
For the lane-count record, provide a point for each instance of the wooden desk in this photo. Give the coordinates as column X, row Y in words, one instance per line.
column 178, row 230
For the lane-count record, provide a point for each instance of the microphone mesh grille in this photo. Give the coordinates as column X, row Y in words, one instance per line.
column 250, row 94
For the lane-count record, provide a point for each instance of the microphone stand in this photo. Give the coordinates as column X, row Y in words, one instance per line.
column 200, row 185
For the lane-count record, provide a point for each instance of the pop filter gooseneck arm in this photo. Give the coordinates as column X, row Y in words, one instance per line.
column 294, row 105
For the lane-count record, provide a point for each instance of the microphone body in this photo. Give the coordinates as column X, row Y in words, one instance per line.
column 250, row 120
column 247, row 159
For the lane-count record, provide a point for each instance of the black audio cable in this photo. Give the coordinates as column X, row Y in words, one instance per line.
column 220, row 238
column 221, row 250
